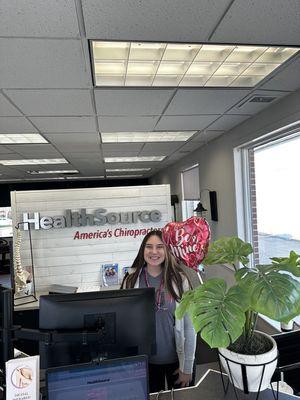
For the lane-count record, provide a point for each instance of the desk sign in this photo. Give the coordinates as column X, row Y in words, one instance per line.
column 23, row 378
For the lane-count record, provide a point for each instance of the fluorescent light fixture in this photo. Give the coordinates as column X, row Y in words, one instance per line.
column 129, row 137
column 35, row 161
column 57, row 178
column 184, row 64
column 124, row 176
column 127, row 169
column 84, row 177
column 63, row 171
column 21, row 138
column 133, row 159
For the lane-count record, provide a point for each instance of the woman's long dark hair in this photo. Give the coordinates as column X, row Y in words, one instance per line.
column 172, row 271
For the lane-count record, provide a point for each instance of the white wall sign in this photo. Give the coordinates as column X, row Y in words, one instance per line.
column 76, row 231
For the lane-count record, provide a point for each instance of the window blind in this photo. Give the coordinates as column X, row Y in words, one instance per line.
column 190, row 183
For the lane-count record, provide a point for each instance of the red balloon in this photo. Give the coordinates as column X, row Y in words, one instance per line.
column 188, row 240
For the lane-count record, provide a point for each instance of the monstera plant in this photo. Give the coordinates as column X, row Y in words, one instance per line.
column 226, row 317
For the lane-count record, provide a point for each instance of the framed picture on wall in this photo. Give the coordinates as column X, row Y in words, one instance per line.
column 110, row 274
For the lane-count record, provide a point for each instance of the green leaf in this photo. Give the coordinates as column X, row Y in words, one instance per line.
column 184, row 304
column 229, row 250
column 272, row 293
column 218, row 314
column 290, row 264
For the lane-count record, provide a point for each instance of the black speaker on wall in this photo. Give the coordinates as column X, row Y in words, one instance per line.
column 174, row 199
column 213, row 205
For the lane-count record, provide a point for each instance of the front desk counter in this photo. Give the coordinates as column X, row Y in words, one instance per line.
column 210, row 388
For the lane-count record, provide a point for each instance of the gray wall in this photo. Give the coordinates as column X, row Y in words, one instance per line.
column 216, row 166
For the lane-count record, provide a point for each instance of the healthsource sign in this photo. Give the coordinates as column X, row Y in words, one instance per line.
column 81, row 218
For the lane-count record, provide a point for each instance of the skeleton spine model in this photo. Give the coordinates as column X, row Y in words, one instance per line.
column 20, row 274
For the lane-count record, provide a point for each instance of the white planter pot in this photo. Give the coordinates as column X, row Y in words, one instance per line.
column 253, row 370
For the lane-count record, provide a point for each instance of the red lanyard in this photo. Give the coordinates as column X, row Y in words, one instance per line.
column 158, row 292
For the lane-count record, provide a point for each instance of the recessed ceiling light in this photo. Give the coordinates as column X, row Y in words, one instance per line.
column 129, row 137
column 184, row 64
column 127, row 169
column 85, row 177
column 133, row 159
column 21, row 138
column 124, row 176
column 35, row 161
column 63, row 171
column 57, row 178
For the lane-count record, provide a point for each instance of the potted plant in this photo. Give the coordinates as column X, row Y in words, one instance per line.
column 226, row 317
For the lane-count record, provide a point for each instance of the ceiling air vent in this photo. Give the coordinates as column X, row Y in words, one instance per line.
column 261, row 99
column 257, row 99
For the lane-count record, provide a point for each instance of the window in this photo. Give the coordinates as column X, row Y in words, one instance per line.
column 276, row 175
column 190, row 190
column 268, row 191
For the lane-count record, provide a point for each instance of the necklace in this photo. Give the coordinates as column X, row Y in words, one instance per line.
column 158, row 296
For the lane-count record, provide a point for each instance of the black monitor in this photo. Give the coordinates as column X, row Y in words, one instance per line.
column 6, row 320
column 96, row 325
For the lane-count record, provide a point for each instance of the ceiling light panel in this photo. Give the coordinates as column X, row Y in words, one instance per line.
column 124, row 176
column 21, row 138
column 133, row 159
column 66, row 171
column 182, row 64
column 127, row 169
column 130, row 137
column 35, row 161
column 84, row 177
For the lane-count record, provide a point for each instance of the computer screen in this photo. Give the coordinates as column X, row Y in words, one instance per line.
column 118, row 379
column 124, row 319
column 6, row 320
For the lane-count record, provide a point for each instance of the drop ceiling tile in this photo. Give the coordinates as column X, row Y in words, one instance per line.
column 7, row 109
column 43, row 18
column 132, row 101
column 286, row 79
column 69, row 143
column 52, row 102
column 204, row 101
column 261, row 22
column 10, row 156
column 5, row 150
column 43, row 63
column 36, row 150
column 246, row 106
column 127, row 124
column 160, row 149
column 188, row 148
column 227, row 122
column 172, row 20
column 66, row 139
column 64, row 124
column 136, row 147
column 121, row 153
column 206, row 136
column 185, row 122
column 82, row 157
column 16, row 125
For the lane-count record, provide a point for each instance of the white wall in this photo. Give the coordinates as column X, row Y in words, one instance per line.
column 61, row 259
column 216, row 165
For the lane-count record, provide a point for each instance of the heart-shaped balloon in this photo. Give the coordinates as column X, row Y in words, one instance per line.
column 188, row 240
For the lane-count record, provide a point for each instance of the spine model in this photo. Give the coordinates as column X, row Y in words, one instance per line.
column 20, row 274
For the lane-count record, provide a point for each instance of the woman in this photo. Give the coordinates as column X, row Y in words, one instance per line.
column 156, row 267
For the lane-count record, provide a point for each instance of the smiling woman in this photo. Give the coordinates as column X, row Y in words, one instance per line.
column 154, row 266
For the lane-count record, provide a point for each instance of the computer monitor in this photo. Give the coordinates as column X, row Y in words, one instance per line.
column 122, row 379
column 6, row 320
column 123, row 321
